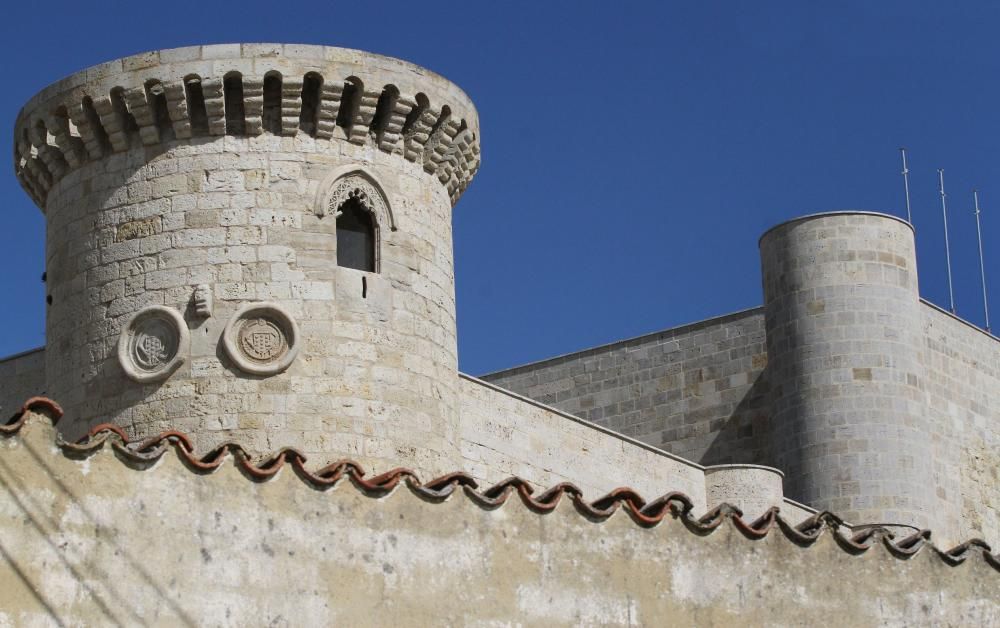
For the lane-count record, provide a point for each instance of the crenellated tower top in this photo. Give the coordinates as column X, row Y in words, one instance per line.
column 327, row 93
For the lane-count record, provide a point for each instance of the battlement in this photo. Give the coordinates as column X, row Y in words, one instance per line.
column 326, row 93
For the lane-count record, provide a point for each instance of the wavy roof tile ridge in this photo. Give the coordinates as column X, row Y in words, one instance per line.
column 644, row 513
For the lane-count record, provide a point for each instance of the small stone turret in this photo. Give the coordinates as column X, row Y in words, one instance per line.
column 192, row 199
column 844, row 331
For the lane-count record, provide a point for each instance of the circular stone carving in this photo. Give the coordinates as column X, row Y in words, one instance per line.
column 149, row 348
column 261, row 338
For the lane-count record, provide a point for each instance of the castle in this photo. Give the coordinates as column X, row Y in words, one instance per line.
column 249, row 260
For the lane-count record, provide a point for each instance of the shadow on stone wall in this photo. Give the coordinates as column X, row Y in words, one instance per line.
column 743, row 437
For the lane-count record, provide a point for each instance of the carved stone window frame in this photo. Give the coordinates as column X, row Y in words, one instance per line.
column 357, row 182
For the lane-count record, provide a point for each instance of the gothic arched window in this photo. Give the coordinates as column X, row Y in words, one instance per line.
column 362, row 214
column 355, row 236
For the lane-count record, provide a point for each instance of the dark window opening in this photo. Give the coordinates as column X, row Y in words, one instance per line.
column 350, row 103
column 156, row 96
column 197, row 113
column 90, row 113
column 383, row 111
column 271, row 116
column 121, row 108
column 355, row 237
column 232, row 91
column 312, row 84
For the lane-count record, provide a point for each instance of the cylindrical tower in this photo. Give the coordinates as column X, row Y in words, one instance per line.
column 843, row 340
column 252, row 242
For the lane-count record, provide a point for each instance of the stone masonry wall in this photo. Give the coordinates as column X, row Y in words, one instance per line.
column 229, row 551
column 22, row 376
column 848, row 417
column 210, row 171
column 505, row 435
column 238, row 215
column 698, row 391
column 962, row 382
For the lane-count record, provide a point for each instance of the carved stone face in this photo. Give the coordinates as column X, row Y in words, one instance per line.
column 203, row 300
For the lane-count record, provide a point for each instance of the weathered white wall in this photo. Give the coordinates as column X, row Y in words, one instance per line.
column 90, row 540
column 504, row 434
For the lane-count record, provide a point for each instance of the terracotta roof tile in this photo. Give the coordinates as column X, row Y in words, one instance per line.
column 674, row 504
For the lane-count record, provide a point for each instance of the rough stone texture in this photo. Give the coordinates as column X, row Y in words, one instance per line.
column 21, row 376
column 751, row 488
column 698, row 391
column 962, row 379
column 146, row 201
column 93, row 541
column 201, row 180
column 849, row 422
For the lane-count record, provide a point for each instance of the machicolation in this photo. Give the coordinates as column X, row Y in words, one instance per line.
column 246, row 90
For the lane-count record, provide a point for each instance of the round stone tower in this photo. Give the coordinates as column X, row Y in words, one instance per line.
column 252, row 242
column 843, row 338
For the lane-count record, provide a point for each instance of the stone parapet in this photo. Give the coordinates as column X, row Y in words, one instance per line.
column 751, row 488
column 327, row 93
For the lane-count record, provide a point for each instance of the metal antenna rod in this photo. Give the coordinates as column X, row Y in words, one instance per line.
column 906, row 185
column 982, row 265
column 947, row 247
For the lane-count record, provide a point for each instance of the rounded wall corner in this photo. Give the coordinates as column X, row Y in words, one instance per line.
column 830, row 214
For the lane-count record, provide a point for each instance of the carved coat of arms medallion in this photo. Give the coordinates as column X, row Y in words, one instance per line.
column 149, row 348
column 261, row 338
column 154, row 343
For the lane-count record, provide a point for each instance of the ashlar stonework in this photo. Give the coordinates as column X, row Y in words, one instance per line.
column 293, row 431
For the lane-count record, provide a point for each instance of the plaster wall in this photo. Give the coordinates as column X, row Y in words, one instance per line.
column 76, row 550
column 22, row 376
column 699, row 391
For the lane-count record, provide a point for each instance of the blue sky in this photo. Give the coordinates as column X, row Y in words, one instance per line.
column 633, row 152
